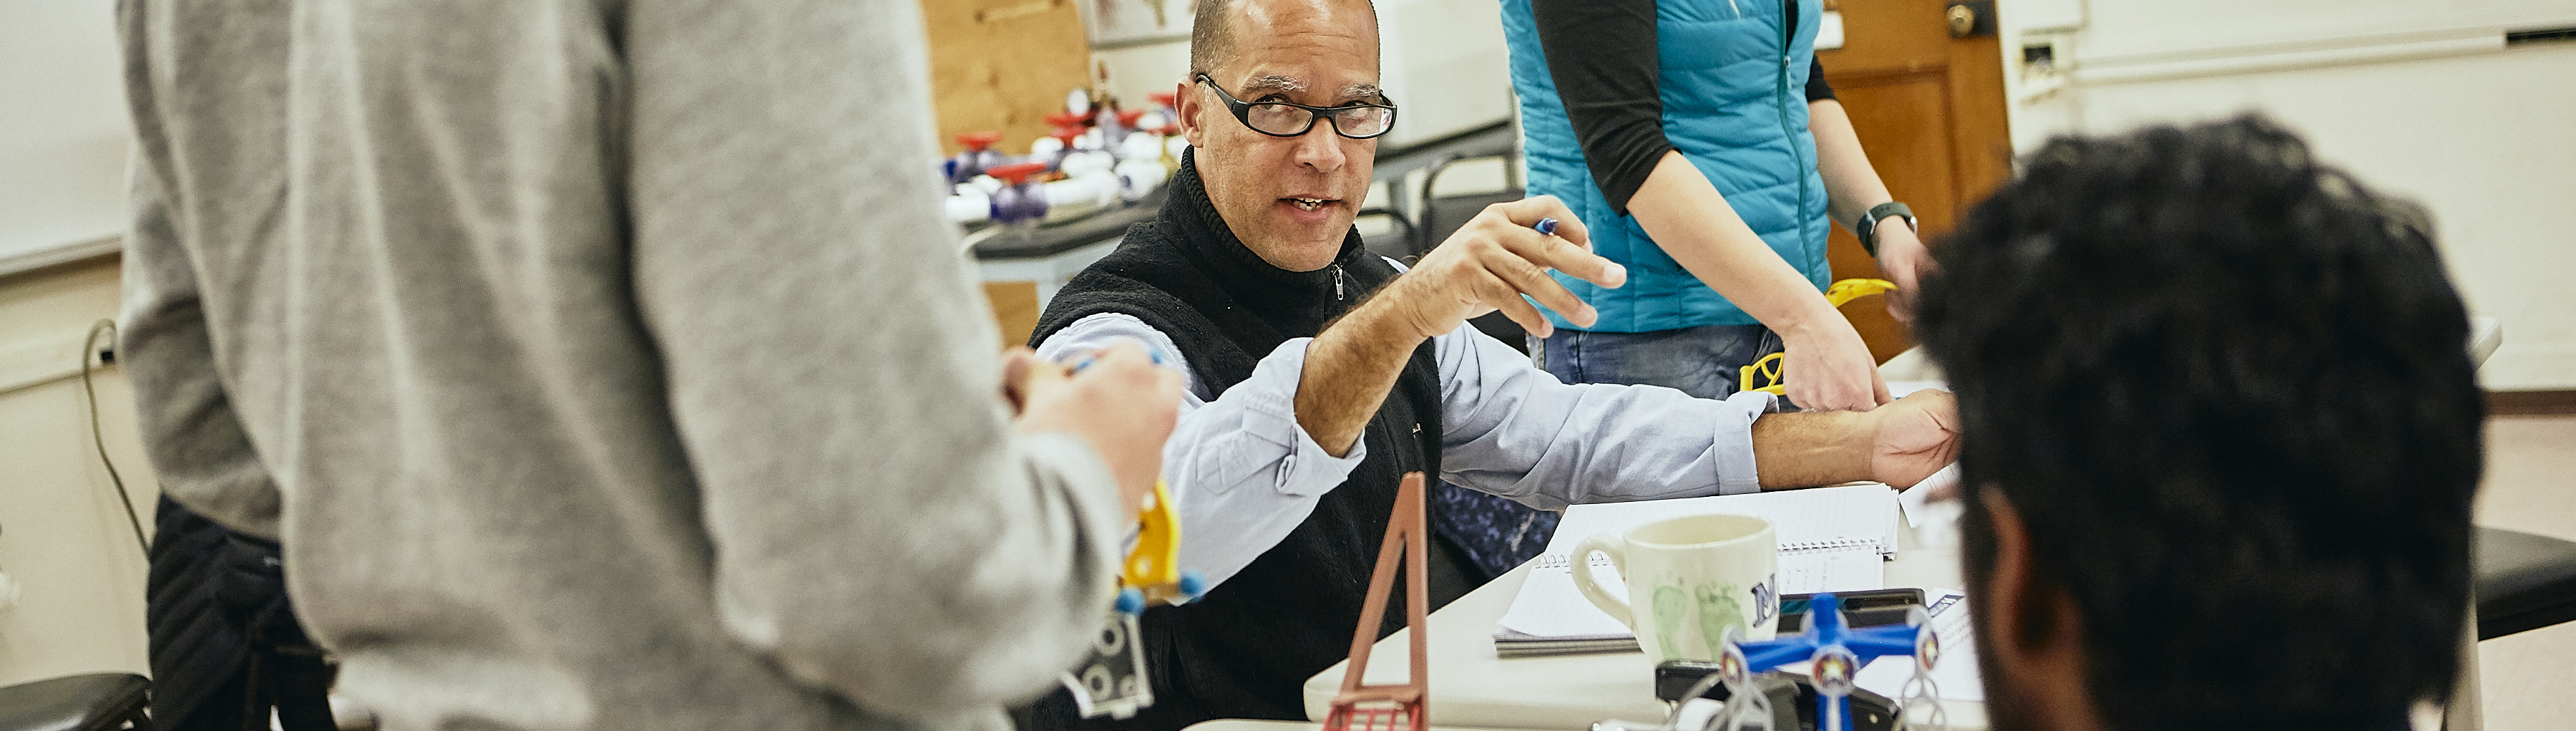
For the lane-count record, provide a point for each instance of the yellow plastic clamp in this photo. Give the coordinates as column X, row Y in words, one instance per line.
column 1766, row 371
column 1154, row 566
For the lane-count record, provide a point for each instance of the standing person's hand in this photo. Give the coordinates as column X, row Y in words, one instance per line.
column 1904, row 258
column 1915, row 437
column 1828, row 368
column 1118, row 400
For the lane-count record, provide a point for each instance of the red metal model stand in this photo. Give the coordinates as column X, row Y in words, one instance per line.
column 1390, row 707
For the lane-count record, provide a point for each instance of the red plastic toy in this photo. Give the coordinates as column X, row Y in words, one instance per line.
column 1016, row 173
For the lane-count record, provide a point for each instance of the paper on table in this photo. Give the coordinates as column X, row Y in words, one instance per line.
column 1915, row 500
column 1956, row 674
column 1831, row 539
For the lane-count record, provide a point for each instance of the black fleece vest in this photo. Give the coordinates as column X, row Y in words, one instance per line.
column 1246, row 649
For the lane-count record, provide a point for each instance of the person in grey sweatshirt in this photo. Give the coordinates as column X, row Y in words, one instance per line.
column 608, row 365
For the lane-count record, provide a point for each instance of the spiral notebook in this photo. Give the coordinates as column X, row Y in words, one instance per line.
column 1831, row 539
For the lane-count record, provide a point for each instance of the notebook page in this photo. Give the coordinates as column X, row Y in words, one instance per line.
column 1815, row 517
column 1956, row 675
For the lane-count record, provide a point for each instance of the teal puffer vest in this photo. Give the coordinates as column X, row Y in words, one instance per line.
column 1733, row 89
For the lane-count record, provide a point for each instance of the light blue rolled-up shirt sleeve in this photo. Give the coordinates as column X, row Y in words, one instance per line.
column 1243, row 474
column 1511, row 429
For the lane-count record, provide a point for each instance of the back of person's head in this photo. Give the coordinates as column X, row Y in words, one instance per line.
column 2226, row 389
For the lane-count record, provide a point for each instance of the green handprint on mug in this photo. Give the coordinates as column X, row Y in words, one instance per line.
column 1670, row 602
column 1718, row 610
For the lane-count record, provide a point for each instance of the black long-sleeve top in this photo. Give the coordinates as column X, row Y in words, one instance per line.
column 1602, row 55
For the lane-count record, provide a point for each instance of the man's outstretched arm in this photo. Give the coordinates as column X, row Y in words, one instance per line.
column 1513, row 430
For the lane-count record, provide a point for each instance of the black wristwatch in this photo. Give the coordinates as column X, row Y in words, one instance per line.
column 1867, row 227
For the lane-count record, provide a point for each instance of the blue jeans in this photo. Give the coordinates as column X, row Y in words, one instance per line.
column 1706, row 362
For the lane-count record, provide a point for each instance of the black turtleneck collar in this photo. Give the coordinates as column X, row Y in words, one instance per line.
column 1298, row 303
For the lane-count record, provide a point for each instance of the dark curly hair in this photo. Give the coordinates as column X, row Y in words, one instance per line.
column 2227, row 388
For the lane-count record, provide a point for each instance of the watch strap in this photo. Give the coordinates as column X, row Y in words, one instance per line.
column 1868, row 228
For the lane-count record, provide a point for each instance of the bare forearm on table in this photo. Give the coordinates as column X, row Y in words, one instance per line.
column 1813, row 448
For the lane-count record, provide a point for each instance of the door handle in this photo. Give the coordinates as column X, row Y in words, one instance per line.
column 1970, row 18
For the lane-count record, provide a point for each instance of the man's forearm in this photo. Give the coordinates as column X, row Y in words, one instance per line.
column 1812, row 448
column 1349, row 368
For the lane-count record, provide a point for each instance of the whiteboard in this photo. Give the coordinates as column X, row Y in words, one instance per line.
column 63, row 132
column 2143, row 29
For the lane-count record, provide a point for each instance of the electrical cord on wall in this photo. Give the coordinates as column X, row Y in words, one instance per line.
column 89, row 354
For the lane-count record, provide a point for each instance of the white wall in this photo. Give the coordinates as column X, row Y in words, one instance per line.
column 63, row 132
column 63, row 537
column 1442, row 61
column 2477, row 131
column 1136, row 71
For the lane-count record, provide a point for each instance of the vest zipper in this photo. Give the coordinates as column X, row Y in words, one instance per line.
column 1425, row 459
column 1780, row 95
column 1337, row 282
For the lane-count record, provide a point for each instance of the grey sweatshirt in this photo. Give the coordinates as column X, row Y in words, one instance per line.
column 600, row 365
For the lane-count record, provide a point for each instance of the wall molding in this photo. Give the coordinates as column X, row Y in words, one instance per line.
column 35, row 361
column 2307, row 54
column 64, row 254
column 2531, row 403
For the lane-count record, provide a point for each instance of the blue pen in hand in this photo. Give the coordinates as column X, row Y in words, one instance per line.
column 1612, row 271
column 1150, row 352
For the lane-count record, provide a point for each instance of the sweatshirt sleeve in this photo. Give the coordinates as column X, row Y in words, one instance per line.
column 184, row 414
column 1602, row 56
column 878, row 528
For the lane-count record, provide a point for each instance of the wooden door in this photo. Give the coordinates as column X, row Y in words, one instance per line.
column 1929, row 109
column 1002, row 66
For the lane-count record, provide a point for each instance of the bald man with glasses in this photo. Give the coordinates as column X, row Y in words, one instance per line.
column 1318, row 374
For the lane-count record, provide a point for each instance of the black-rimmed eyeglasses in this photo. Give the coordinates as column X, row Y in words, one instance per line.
column 1286, row 119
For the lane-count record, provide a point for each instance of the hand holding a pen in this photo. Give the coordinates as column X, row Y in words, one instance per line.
column 1503, row 253
column 1500, row 255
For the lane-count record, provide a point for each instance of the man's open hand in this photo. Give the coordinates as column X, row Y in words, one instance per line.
column 1493, row 260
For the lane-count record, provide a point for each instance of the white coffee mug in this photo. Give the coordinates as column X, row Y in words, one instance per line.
column 1694, row 576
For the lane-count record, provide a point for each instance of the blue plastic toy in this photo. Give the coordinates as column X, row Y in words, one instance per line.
column 1839, row 652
